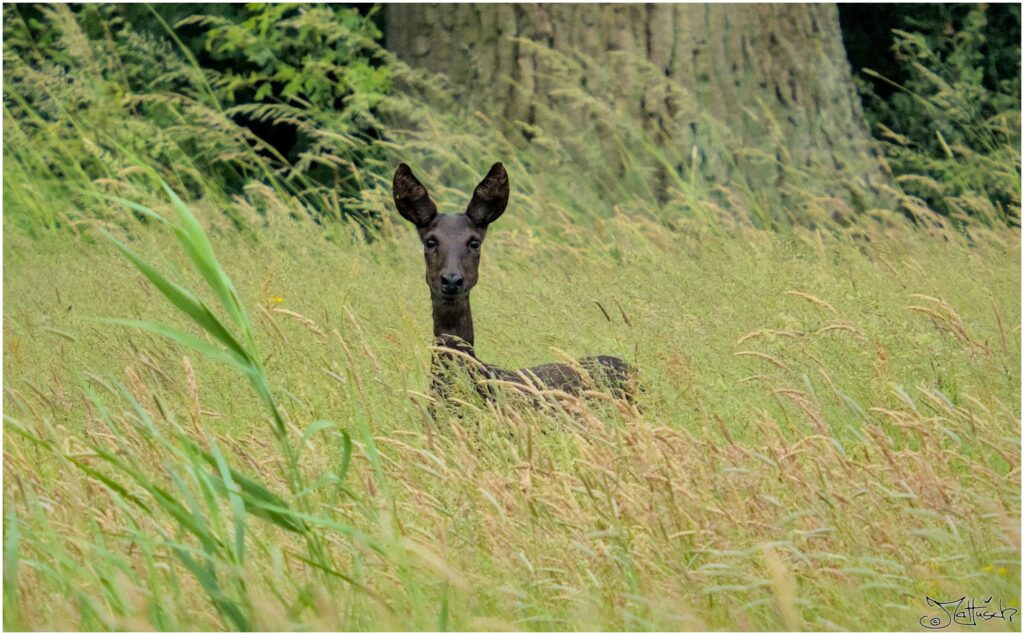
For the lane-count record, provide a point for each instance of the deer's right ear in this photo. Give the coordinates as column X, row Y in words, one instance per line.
column 411, row 198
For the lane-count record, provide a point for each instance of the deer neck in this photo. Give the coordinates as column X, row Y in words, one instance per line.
column 453, row 324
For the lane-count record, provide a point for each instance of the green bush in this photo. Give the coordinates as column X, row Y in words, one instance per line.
column 951, row 131
column 94, row 91
column 311, row 72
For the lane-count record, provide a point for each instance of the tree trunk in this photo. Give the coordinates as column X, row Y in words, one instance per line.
column 773, row 79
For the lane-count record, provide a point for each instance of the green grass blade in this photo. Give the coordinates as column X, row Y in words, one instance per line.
column 260, row 501
column 189, row 341
column 312, row 429
column 111, row 483
column 183, row 300
column 237, row 505
column 227, row 607
column 145, row 211
column 197, row 245
column 346, row 458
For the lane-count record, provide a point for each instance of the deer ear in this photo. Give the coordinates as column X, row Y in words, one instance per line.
column 490, row 197
column 411, row 198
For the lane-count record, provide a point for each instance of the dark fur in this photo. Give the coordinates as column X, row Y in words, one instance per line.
column 451, row 250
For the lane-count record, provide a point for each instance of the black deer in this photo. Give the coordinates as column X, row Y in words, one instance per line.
column 451, row 248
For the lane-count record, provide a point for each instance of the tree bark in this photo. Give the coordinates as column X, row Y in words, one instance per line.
column 774, row 79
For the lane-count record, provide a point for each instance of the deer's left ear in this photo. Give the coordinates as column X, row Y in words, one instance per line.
column 490, row 197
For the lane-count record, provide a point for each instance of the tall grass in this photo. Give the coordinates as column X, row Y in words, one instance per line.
column 822, row 454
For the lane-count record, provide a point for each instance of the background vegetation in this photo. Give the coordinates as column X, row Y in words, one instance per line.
column 830, row 428
column 945, row 102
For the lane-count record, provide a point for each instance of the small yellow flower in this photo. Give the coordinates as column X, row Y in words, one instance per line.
column 1002, row 570
column 277, row 299
column 987, row 568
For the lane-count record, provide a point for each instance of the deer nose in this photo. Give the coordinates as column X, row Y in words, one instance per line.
column 451, row 282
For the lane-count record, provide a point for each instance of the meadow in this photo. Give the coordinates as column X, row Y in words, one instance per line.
column 829, row 432
column 216, row 411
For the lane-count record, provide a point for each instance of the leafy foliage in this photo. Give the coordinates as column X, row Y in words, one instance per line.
column 89, row 95
column 308, row 73
column 308, row 56
column 952, row 127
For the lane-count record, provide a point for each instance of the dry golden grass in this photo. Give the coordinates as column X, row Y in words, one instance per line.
column 830, row 431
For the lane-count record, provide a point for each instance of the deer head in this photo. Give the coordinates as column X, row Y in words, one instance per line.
column 451, row 242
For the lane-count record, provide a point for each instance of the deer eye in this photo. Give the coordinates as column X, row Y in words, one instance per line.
column 430, row 243
column 474, row 244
